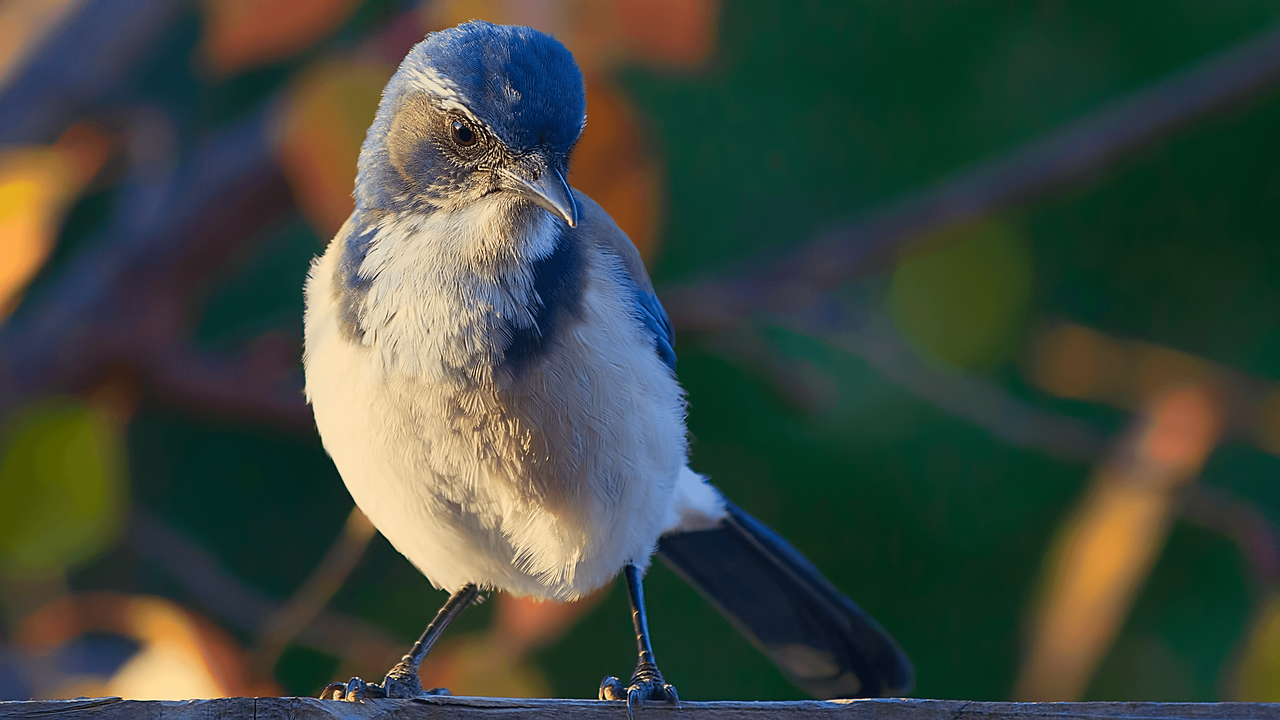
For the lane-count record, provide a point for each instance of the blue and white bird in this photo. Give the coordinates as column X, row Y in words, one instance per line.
column 494, row 378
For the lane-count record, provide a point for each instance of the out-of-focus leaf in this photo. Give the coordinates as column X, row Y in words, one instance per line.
column 1258, row 676
column 62, row 475
column 179, row 653
column 498, row 660
column 612, row 165
column 1268, row 428
column 36, row 186
column 480, row 664
column 1107, row 547
column 603, row 34
column 1077, row 362
column 966, row 301
column 1082, row 363
column 1086, row 364
column 243, row 33
column 329, row 109
column 678, row 33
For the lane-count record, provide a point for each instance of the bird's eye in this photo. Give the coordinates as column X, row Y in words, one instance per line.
column 463, row 134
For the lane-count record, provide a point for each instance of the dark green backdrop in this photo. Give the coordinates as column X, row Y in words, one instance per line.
column 810, row 113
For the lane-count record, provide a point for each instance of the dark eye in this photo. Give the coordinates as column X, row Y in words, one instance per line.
column 463, row 134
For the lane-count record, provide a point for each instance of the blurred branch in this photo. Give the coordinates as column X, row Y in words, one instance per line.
column 1243, row 523
column 125, row 298
column 1255, row 668
column 856, row 328
column 125, row 301
column 79, row 64
column 872, row 336
column 1060, row 158
column 1254, row 674
column 1081, row 363
column 314, row 594
column 248, row 609
column 264, row 386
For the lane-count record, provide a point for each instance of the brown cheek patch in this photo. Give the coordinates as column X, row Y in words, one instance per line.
column 410, row 131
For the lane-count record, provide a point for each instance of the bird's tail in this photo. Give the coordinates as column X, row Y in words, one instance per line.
column 820, row 639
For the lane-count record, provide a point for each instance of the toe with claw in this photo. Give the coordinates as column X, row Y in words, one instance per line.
column 646, row 685
column 402, row 682
column 354, row 690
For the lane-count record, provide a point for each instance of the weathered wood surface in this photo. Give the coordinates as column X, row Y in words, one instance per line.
column 485, row 708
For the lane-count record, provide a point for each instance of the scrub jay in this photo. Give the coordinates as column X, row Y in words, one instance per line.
column 494, row 378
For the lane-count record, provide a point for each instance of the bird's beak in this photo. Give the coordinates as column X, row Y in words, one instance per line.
column 549, row 191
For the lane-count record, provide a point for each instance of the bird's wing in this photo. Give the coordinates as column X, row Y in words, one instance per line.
column 601, row 229
column 656, row 321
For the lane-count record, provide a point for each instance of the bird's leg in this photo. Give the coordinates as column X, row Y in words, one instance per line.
column 402, row 680
column 646, row 682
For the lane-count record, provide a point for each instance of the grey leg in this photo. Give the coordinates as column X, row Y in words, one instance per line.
column 646, row 682
column 402, row 680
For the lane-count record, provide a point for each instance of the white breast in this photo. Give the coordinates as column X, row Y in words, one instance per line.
column 545, row 485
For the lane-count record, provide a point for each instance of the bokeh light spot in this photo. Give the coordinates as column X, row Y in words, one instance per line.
column 61, row 474
column 965, row 302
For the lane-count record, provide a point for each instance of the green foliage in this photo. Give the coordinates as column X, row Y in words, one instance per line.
column 809, row 115
column 814, row 113
column 62, row 480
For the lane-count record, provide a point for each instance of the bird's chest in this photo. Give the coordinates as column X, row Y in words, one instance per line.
column 490, row 382
column 432, row 425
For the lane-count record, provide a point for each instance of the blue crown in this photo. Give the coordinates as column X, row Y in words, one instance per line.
column 521, row 83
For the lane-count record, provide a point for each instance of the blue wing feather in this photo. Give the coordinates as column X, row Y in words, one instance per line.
column 596, row 227
column 656, row 322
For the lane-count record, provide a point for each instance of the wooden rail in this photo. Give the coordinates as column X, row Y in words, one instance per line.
column 492, row 708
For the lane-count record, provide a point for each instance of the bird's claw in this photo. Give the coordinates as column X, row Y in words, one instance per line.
column 402, row 683
column 354, row 690
column 646, row 685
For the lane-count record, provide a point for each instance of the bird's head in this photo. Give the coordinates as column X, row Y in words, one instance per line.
column 475, row 111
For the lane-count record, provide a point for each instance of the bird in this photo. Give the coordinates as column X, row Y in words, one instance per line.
column 493, row 376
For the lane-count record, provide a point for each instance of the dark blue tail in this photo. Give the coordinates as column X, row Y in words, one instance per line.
column 820, row 639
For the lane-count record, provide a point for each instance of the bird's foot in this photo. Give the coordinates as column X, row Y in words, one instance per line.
column 646, row 684
column 401, row 682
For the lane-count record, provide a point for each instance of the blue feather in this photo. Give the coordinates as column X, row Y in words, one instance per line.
column 658, row 324
column 349, row 285
column 557, row 280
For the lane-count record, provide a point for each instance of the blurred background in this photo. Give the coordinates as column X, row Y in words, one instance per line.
column 976, row 303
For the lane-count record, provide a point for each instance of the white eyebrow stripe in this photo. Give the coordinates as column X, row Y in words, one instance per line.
column 442, row 92
column 435, row 84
